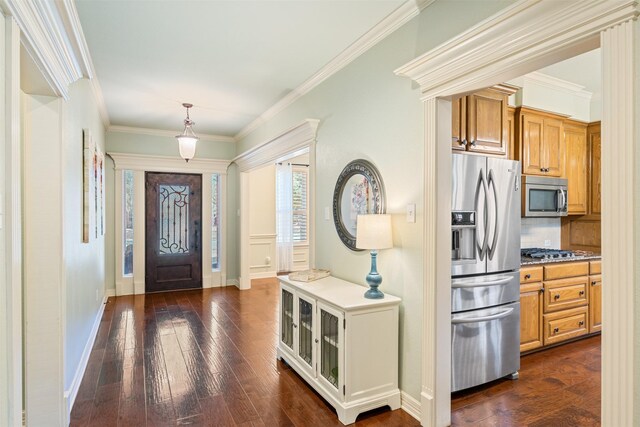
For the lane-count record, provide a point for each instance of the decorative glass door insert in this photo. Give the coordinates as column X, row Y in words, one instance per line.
column 329, row 347
column 305, row 331
column 173, row 210
column 287, row 318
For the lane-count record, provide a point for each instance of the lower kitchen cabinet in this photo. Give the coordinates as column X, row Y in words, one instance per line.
column 343, row 345
column 565, row 325
column 595, row 305
column 559, row 302
column 530, row 316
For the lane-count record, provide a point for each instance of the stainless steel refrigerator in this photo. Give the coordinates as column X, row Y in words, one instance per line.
column 485, row 264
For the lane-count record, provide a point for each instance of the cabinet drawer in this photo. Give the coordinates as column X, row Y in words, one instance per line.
column 562, row 270
column 565, row 325
column 595, row 267
column 566, row 293
column 531, row 275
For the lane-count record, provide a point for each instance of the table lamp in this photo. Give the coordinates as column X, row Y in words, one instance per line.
column 374, row 232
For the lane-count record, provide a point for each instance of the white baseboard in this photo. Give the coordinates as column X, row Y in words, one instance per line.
column 263, row 275
column 110, row 293
column 410, row 405
column 233, row 282
column 71, row 394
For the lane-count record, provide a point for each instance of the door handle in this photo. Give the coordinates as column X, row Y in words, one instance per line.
column 492, row 183
column 479, row 319
column 475, row 284
column 482, row 183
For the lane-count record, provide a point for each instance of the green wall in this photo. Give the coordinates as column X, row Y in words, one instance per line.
column 366, row 111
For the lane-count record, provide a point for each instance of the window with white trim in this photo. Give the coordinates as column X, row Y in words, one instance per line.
column 127, row 222
column 300, row 205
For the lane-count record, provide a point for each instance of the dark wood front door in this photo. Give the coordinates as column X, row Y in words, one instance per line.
column 173, row 234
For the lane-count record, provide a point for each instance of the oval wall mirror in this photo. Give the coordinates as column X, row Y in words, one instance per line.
column 359, row 190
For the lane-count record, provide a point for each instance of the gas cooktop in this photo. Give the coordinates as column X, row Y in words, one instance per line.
column 542, row 253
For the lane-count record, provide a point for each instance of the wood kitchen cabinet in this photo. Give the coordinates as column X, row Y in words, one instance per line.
column 595, row 297
column 531, row 293
column 576, row 156
column 559, row 302
column 480, row 121
column 594, row 138
column 540, row 142
column 511, row 127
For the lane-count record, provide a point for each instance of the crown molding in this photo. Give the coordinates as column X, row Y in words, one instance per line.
column 167, row 164
column 52, row 35
column 557, row 84
column 459, row 64
column 293, row 139
column 166, row 133
column 388, row 25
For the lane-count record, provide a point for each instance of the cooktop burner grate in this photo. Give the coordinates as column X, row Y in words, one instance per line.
column 542, row 253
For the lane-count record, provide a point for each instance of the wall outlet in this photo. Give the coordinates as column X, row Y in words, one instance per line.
column 411, row 213
column 267, row 260
column 547, row 243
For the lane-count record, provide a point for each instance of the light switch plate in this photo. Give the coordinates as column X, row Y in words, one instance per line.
column 411, row 213
column 327, row 213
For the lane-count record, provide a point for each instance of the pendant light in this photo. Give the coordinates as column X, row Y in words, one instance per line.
column 187, row 139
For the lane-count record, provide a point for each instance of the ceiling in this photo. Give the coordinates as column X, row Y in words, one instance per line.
column 231, row 59
column 584, row 70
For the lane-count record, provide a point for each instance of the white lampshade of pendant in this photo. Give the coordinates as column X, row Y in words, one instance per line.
column 374, row 232
column 187, row 143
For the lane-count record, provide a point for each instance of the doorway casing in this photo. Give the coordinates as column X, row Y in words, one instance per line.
column 290, row 143
column 522, row 38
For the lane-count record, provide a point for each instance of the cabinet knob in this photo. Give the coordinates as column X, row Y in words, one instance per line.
column 316, row 340
column 581, row 293
column 556, row 330
column 527, row 276
column 464, row 142
column 556, row 297
column 295, row 326
column 581, row 323
column 593, row 283
column 473, row 143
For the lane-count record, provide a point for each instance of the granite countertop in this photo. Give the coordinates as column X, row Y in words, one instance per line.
column 580, row 256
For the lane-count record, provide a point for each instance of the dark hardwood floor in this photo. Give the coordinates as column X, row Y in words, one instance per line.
column 557, row 387
column 202, row 358
column 208, row 358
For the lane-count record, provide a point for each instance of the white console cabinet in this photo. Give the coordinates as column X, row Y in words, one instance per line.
column 344, row 345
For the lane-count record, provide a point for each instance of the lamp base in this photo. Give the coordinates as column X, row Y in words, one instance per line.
column 374, row 279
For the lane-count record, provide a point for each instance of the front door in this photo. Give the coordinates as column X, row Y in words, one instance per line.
column 173, row 205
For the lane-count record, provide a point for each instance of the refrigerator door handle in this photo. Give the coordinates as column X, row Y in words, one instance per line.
column 479, row 319
column 492, row 183
column 466, row 283
column 482, row 183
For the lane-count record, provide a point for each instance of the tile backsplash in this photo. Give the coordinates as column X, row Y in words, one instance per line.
column 535, row 232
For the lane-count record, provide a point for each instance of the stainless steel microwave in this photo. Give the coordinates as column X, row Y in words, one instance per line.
column 544, row 197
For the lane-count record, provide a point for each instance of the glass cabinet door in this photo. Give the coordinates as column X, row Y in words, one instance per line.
column 331, row 335
column 306, row 314
column 286, row 322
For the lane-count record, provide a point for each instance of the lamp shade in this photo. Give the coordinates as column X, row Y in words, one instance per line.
column 374, row 232
column 187, row 143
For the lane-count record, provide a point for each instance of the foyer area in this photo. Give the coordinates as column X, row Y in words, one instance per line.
column 203, row 358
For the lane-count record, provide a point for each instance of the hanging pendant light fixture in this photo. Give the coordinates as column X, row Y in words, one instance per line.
column 187, row 139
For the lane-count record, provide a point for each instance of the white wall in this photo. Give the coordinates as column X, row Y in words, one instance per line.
column 43, row 275
column 365, row 111
column 262, row 222
column 84, row 262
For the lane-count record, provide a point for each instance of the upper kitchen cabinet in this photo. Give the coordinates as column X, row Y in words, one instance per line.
column 480, row 121
column 593, row 135
column 539, row 142
column 575, row 139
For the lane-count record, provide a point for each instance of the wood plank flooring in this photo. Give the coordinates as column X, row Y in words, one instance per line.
column 200, row 358
column 208, row 358
column 557, row 387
